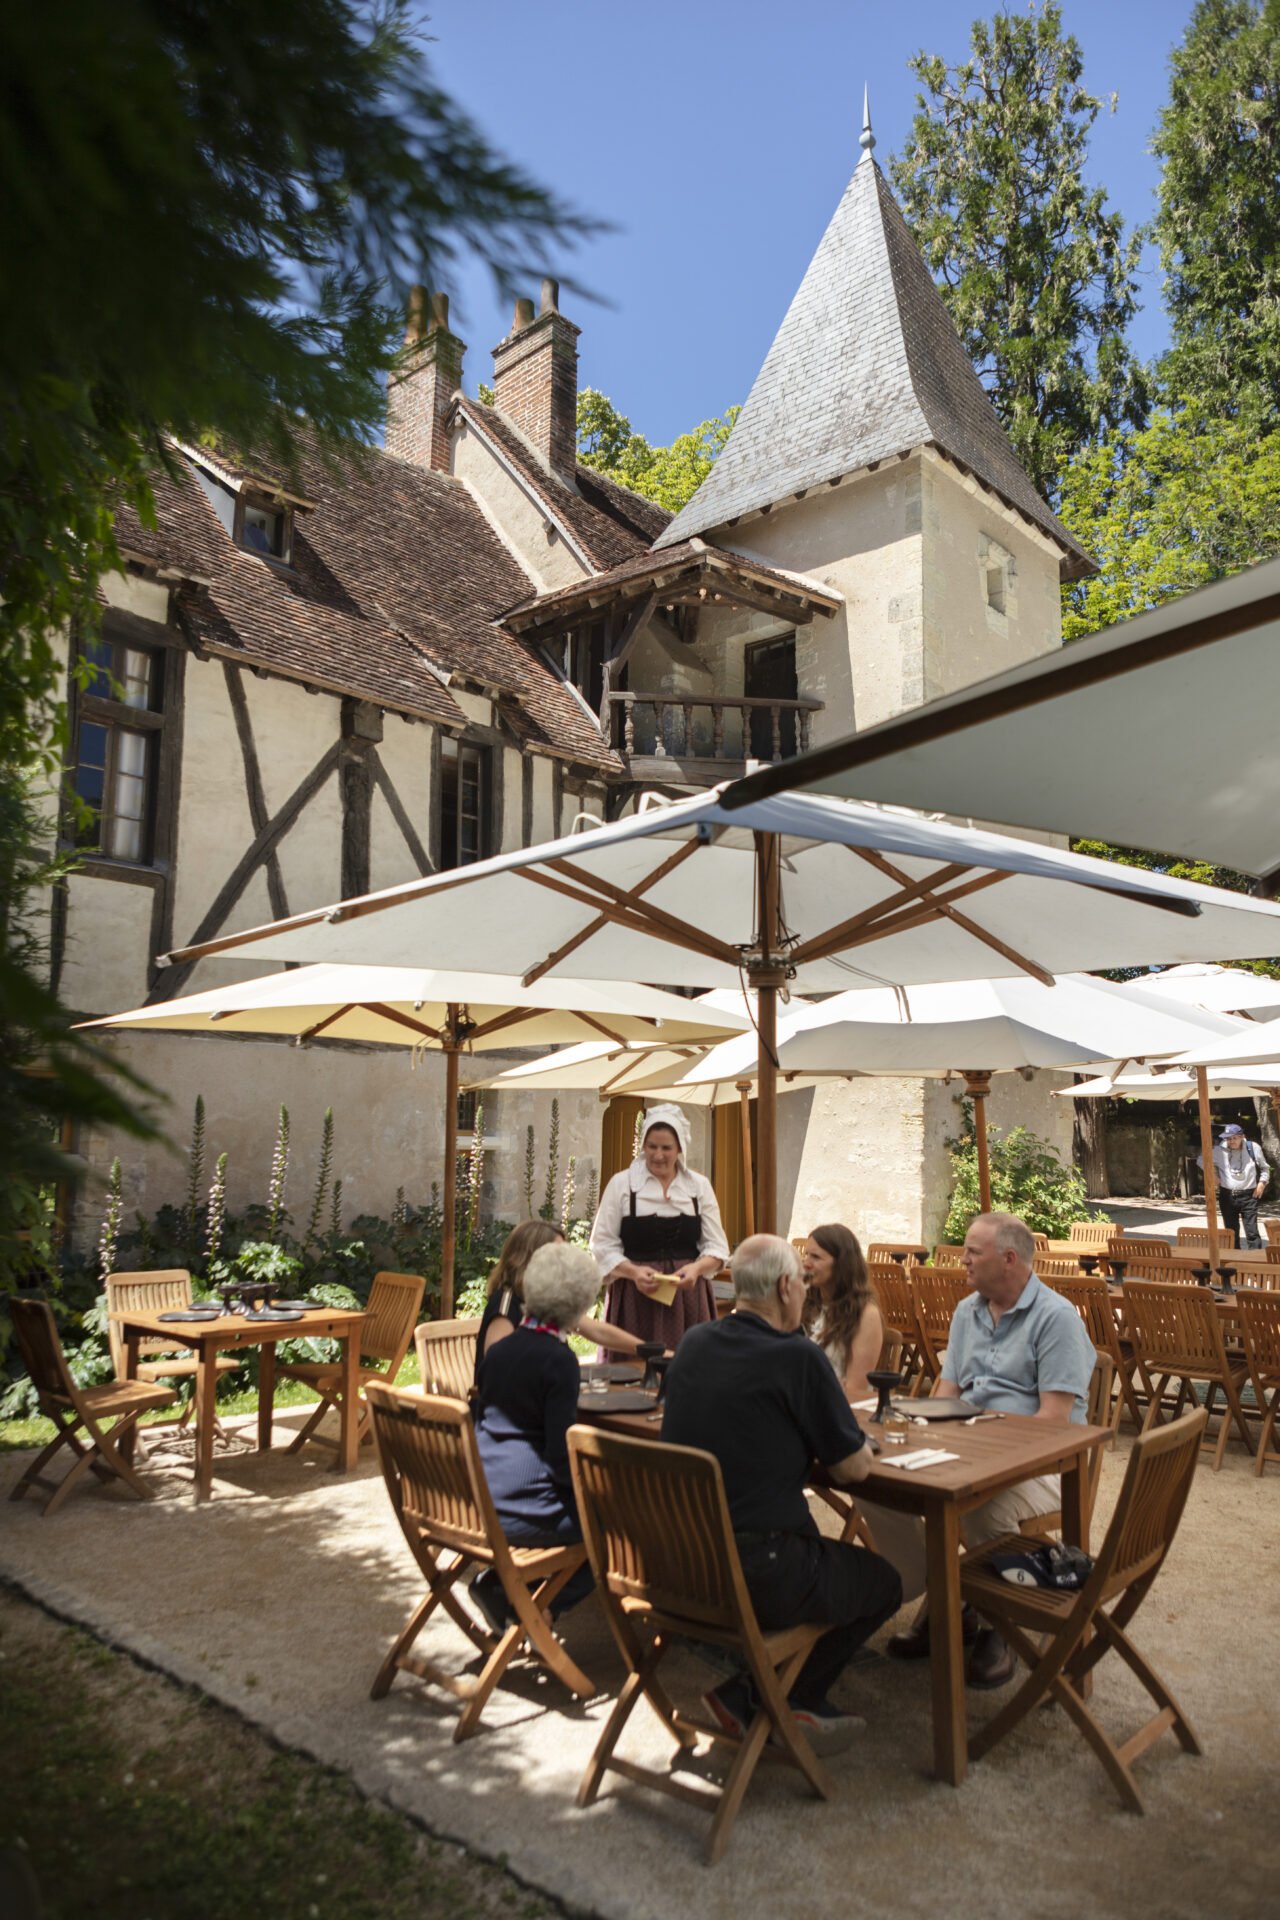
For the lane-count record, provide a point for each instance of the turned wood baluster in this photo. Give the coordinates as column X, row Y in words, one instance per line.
column 688, row 728
column 717, row 732
column 804, row 729
column 629, row 726
column 659, row 728
column 775, row 717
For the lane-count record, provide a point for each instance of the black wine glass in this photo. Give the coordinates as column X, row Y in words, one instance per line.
column 884, row 1380
column 650, row 1351
column 1089, row 1263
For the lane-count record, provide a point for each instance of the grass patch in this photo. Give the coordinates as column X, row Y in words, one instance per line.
column 131, row 1797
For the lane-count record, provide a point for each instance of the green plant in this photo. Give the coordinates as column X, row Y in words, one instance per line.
column 528, row 1172
column 216, row 1219
column 1027, row 1178
column 195, row 1181
column 264, row 1260
column 279, row 1176
column 566, row 1204
column 109, row 1236
column 322, row 1179
column 548, row 1208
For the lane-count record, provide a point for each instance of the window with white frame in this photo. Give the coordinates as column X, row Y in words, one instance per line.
column 119, row 718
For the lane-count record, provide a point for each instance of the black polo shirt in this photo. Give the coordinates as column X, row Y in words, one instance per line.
column 766, row 1404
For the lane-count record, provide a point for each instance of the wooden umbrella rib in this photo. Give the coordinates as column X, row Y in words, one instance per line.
column 904, row 916
column 399, row 1019
column 598, row 1026
column 579, row 939
column 822, row 944
column 674, row 934
column 330, row 1020
column 644, row 908
column 1032, row 967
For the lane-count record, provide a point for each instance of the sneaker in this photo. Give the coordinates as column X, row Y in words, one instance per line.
column 732, row 1705
column 827, row 1728
column 489, row 1600
column 992, row 1662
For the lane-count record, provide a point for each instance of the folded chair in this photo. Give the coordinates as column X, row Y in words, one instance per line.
column 384, row 1336
column 447, row 1356
column 1063, row 1636
column 1177, row 1335
column 167, row 1289
column 666, row 1564
column 78, row 1413
column 431, row 1464
column 1260, row 1320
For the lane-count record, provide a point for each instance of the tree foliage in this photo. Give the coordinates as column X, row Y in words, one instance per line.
column 1218, row 223
column 669, row 475
column 1032, row 263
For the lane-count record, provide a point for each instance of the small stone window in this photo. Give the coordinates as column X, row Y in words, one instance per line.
column 997, row 572
column 997, row 588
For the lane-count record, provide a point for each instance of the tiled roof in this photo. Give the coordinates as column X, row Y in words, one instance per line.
column 866, row 365
column 396, row 579
column 670, row 562
column 608, row 522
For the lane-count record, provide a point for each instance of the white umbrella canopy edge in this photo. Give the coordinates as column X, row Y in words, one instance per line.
column 1216, row 988
column 1175, row 1086
column 995, row 750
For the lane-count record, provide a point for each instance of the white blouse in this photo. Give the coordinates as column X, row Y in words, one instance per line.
column 615, row 1202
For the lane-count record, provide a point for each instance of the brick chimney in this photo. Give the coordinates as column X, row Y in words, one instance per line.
column 420, row 390
column 535, row 379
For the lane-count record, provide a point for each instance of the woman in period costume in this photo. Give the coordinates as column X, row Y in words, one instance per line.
column 657, row 1236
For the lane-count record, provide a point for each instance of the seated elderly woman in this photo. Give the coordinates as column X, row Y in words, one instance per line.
column 841, row 1313
column 527, row 1402
column 504, row 1307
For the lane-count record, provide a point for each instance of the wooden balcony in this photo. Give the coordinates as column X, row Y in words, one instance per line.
column 698, row 739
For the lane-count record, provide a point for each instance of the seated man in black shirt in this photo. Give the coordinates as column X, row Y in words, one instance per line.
column 764, row 1399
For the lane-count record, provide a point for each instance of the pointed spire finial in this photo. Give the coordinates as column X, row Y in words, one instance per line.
column 866, row 139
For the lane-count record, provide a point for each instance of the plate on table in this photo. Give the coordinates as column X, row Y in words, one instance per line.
column 617, row 1400
column 302, row 1306
column 619, row 1373
column 936, row 1409
column 275, row 1313
column 193, row 1313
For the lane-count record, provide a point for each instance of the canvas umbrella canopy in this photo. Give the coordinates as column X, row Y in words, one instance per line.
column 939, row 1030
column 796, row 891
column 453, row 1013
column 1180, row 1084
column 1094, row 738
column 1221, row 989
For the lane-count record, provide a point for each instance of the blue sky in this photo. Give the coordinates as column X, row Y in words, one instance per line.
column 717, row 136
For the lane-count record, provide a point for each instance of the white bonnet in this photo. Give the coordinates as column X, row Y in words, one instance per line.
column 667, row 1114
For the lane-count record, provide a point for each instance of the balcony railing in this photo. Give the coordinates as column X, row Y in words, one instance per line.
column 700, row 727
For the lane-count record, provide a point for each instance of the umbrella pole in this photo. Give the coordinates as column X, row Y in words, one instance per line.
column 748, row 1189
column 448, row 1218
column 1206, row 1154
column 979, row 1085
column 766, row 976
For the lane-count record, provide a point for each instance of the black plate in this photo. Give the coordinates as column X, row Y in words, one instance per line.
column 617, row 1400
column 273, row 1313
column 301, row 1306
column 193, row 1313
column 620, row 1373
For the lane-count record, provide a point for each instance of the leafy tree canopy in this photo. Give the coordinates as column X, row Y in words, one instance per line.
column 1032, row 263
column 670, row 475
column 1218, row 223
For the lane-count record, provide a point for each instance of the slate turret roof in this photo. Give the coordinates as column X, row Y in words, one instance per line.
column 866, row 365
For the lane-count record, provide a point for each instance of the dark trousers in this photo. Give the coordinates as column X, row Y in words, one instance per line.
column 1239, row 1210
column 795, row 1578
column 565, row 1531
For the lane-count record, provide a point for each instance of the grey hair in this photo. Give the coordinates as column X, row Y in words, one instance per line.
column 561, row 1283
column 759, row 1261
column 1012, row 1236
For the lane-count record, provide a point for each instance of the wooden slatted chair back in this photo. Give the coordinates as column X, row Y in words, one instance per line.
column 37, row 1340
column 1138, row 1246
column 431, row 1464
column 1194, row 1237
column 447, row 1356
column 896, row 1253
column 168, row 1290
column 1175, row 1327
column 891, row 1285
column 1152, row 1497
column 1265, row 1278
column 1169, row 1273
column 394, row 1303
column 1272, row 1226
column 1091, row 1234
column 945, row 1254
column 1056, row 1266
column 1260, row 1323
column 936, row 1292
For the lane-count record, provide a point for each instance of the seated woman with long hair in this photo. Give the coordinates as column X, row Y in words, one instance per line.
column 504, row 1307
column 527, row 1400
column 841, row 1313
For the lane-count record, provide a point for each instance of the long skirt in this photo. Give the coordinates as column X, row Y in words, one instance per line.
column 625, row 1306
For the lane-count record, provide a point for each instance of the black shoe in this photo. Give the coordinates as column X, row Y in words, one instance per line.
column 489, row 1600
column 914, row 1643
column 733, row 1704
column 992, row 1662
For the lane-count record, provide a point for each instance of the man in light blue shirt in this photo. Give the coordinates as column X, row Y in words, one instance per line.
column 1015, row 1347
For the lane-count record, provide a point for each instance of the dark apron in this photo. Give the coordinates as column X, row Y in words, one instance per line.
column 652, row 1240
column 664, row 1244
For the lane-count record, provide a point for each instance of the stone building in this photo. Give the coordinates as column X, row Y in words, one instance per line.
column 340, row 678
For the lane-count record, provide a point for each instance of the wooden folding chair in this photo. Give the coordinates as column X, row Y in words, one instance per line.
column 1090, row 1235
column 891, row 1285
column 1137, row 1246
column 1057, row 1266
column 1272, row 1226
column 666, row 1564
column 435, row 1477
column 907, row 1253
column 1098, row 1414
column 1169, row 1273
column 166, row 1290
column 936, row 1292
column 1194, row 1238
column 1177, row 1335
column 446, row 1352
column 945, row 1254
column 78, row 1413
column 1260, row 1323
column 1063, row 1636
column 384, row 1335
column 1090, row 1295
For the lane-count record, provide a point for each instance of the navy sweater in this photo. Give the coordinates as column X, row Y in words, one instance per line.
column 528, row 1400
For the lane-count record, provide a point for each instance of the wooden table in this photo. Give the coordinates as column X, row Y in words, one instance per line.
column 227, row 1334
column 994, row 1455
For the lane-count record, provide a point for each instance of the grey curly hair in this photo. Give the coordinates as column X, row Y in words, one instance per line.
column 560, row 1283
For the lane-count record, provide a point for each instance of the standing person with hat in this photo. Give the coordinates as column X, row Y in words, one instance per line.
column 657, row 1236
column 1242, row 1172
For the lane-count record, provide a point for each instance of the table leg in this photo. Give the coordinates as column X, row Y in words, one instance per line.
column 131, row 1343
column 1075, row 1525
column 946, row 1644
column 348, row 1447
column 266, row 1393
column 206, row 1409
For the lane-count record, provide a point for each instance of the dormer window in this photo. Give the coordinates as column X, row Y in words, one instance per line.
column 256, row 519
column 263, row 529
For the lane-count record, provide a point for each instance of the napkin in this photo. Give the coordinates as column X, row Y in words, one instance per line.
column 922, row 1457
column 664, row 1293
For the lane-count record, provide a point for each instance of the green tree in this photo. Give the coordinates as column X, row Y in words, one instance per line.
column 669, row 475
column 1033, row 265
column 1218, row 222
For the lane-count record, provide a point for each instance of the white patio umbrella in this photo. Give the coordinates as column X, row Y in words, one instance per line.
column 1179, row 1084
column 802, row 891
column 1221, row 989
column 453, row 1013
column 1130, row 735
column 950, row 1027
